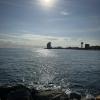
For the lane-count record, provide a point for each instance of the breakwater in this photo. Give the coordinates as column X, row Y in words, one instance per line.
column 21, row 92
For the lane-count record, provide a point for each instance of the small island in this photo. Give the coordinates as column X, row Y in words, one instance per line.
column 86, row 47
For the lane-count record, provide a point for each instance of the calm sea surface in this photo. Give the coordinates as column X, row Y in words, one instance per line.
column 78, row 70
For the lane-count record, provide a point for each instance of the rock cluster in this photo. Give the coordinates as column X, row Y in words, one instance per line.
column 20, row 92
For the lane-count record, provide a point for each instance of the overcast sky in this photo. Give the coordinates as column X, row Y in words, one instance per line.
column 36, row 22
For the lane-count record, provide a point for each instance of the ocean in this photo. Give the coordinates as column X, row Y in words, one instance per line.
column 77, row 70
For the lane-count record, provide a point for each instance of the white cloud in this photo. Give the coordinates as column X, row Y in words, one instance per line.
column 42, row 39
column 31, row 40
column 64, row 13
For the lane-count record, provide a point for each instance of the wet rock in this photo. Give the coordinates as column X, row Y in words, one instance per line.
column 90, row 97
column 45, row 95
column 57, row 97
column 48, row 95
column 19, row 94
column 60, row 97
column 98, row 97
column 4, row 90
column 34, row 94
column 52, row 95
column 74, row 95
column 18, row 91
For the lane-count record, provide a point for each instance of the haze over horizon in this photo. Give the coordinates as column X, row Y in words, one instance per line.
column 30, row 23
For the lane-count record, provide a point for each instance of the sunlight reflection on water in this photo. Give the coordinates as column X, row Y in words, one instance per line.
column 46, row 53
column 47, row 74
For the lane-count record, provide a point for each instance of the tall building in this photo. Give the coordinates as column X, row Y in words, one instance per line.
column 82, row 44
column 87, row 46
column 49, row 45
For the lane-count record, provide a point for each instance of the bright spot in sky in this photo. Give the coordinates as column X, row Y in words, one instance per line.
column 47, row 3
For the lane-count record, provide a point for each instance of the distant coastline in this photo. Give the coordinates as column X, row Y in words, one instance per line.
column 87, row 47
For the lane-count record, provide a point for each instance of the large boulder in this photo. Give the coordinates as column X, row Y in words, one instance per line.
column 19, row 94
column 4, row 90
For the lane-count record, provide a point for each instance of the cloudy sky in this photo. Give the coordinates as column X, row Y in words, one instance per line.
column 32, row 23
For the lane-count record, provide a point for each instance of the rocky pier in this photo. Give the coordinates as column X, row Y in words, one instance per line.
column 21, row 92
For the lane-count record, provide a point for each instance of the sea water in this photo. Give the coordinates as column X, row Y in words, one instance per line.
column 77, row 70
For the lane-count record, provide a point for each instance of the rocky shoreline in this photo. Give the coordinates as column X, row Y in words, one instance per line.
column 21, row 92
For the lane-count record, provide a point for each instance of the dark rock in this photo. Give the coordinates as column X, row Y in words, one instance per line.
column 74, row 95
column 57, row 97
column 98, row 97
column 60, row 97
column 4, row 91
column 19, row 94
column 90, row 97
column 18, row 91
column 34, row 94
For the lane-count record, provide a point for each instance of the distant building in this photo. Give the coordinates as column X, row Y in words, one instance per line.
column 87, row 46
column 82, row 44
column 49, row 45
column 95, row 47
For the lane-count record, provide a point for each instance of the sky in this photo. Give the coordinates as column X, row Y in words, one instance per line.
column 29, row 23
